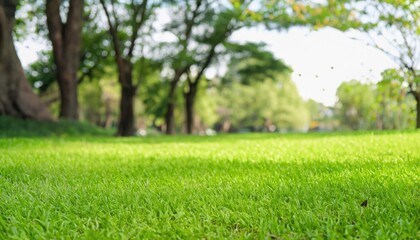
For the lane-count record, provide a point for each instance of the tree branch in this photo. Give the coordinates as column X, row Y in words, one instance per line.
column 137, row 25
column 112, row 31
column 55, row 28
column 74, row 21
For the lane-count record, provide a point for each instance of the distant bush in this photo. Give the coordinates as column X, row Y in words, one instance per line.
column 13, row 127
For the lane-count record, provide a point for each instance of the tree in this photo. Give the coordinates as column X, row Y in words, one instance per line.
column 66, row 41
column 395, row 110
column 269, row 105
column 280, row 14
column 94, row 59
column 205, row 114
column 16, row 96
column 182, row 26
column 124, row 30
column 356, row 105
column 204, row 26
column 321, row 116
column 394, row 28
column 272, row 100
column 251, row 62
column 218, row 32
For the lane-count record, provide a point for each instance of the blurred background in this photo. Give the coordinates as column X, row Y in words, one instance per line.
column 204, row 67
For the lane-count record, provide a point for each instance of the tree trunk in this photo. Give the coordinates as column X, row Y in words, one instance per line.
column 170, row 119
column 192, row 89
column 417, row 97
column 170, row 110
column 128, row 92
column 189, row 97
column 66, row 42
column 108, row 113
column 170, row 107
column 126, row 118
column 189, row 113
column 68, row 94
column 226, row 126
column 16, row 96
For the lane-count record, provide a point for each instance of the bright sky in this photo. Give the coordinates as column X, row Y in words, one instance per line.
column 321, row 60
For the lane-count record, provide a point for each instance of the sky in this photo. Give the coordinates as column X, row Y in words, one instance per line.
column 321, row 60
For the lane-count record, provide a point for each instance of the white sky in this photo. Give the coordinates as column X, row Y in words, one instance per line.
column 321, row 60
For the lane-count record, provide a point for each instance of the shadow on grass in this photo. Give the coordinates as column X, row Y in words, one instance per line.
column 13, row 127
column 21, row 128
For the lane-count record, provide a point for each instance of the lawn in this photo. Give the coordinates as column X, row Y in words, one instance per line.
column 256, row 186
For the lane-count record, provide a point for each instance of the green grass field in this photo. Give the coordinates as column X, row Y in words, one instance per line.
column 256, row 186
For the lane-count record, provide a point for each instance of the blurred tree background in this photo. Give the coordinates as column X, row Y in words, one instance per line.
column 117, row 64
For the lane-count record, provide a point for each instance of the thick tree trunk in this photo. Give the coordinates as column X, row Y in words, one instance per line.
column 16, row 96
column 126, row 118
column 128, row 92
column 66, row 41
column 68, row 94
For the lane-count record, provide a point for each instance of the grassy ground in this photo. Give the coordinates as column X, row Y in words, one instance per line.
column 234, row 186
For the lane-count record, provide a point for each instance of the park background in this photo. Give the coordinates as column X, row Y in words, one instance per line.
column 238, row 66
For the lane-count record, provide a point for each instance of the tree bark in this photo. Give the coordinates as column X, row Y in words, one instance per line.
column 417, row 97
column 128, row 92
column 192, row 90
column 108, row 113
column 170, row 119
column 170, row 107
column 125, row 67
column 189, row 112
column 66, row 42
column 16, row 96
column 189, row 97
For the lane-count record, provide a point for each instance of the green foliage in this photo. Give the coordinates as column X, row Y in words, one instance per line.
column 280, row 14
column 395, row 105
column 155, row 104
column 384, row 106
column 94, row 58
column 356, row 104
column 257, row 92
column 153, row 88
column 251, row 62
column 321, row 117
column 42, row 73
column 224, row 187
column 200, row 27
column 269, row 105
column 394, row 27
column 271, row 98
column 131, row 22
column 206, row 106
column 91, row 103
